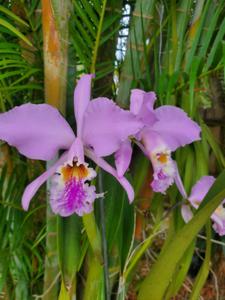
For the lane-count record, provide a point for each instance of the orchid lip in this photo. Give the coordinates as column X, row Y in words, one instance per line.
column 164, row 169
column 162, row 157
column 77, row 170
column 161, row 175
column 70, row 190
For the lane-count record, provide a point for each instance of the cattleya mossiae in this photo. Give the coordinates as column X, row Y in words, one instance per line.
column 165, row 129
column 198, row 192
column 39, row 132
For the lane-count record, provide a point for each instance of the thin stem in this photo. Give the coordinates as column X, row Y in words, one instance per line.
column 161, row 13
column 104, row 241
column 212, row 240
column 97, row 42
column 140, row 250
column 167, row 213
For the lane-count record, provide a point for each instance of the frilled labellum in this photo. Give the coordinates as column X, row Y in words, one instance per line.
column 164, row 170
column 71, row 191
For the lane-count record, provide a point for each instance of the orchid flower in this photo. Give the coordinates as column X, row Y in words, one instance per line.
column 39, row 132
column 198, row 193
column 165, row 129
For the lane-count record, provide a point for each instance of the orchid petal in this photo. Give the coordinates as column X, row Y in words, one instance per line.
column 141, row 105
column 32, row 188
column 140, row 98
column 106, row 126
column 198, row 193
column 186, row 213
column 219, row 229
column 200, row 189
column 152, row 140
column 38, row 131
column 136, row 101
column 179, row 182
column 76, row 152
column 82, row 95
column 123, row 158
column 175, row 127
column 105, row 166
column 142, row 148
column 218, row 218
column 165, row 169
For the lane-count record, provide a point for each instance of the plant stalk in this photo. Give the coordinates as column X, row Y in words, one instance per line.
column 55, row 38
column 104, row 241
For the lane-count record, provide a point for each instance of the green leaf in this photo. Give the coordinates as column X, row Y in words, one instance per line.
column 213, row 144
column 134, row 59
column 181, row 272
column 13, row 16
column 87, row 7
column 69, row 247
column 64, row 295
column 204, row 271
column 84, row 18
column 223, row 59
column 138, row 252
column 195, row 30
column 156, row 283
column 214, row 12
column 193, row 74
column 120, row 219
column 13, row 29
column 94, row 286
column 127, row 233
column 93, row 235
column 214, row 48
column 183, row 13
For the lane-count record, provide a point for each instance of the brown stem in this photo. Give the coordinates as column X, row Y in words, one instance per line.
column 55, row 37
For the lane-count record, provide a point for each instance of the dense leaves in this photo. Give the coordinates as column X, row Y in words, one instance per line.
column 175, row 48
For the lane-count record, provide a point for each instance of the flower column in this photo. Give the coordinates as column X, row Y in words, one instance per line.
column 55, row 37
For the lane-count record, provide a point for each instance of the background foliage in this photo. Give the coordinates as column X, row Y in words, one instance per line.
column 175, row 48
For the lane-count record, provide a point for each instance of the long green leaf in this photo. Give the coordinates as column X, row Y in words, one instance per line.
column 95, row 279
column 69, row 247
column 204, row 271
column 156, row 283
column 217, row 42
column 12, row 15
column 15, row 31
column 213, row 144
column 195, row 31
column 93, row 235
column 181, row 272
column 132, row 64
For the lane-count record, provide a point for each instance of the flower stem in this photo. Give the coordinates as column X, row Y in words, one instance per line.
column 104, row 241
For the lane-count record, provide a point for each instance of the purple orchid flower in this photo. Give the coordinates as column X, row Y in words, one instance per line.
column 165, row 129
column 39, row 132
column 198, row 193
